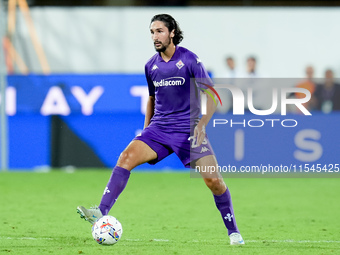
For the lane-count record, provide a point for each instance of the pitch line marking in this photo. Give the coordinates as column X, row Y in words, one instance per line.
column 292, row 241
column 25, row 238
column 247, row 241
column 193, row 241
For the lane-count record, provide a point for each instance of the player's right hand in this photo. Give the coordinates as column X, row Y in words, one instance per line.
column 199, row 133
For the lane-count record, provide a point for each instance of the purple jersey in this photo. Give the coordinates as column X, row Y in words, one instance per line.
column 170, row 83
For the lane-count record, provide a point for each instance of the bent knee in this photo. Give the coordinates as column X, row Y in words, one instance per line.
column 216, row 185
column 212, row 182
column 126, row 159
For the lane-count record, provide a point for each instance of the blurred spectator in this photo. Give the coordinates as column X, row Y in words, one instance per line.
column 225, row 95
column 261, row 88
column 308, row 84
column 260, row 94
column 251, row 67
column 232, row 71
column 327, row 95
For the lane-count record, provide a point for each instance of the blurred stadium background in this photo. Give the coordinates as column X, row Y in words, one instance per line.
column 75, row 86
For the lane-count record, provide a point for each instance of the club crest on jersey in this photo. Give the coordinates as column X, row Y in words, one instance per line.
column 180, row 64
column 154, row 67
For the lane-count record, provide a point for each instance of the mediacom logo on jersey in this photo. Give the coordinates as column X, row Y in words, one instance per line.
column 172, row 81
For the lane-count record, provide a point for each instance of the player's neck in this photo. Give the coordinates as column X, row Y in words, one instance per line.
column 168, row 53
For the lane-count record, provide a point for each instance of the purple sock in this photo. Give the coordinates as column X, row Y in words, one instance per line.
column 225, row 206
column 115, row 186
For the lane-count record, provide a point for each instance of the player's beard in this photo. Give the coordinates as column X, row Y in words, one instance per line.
column 164, row 45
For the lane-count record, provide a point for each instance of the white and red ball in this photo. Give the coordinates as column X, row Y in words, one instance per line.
column 107, row 230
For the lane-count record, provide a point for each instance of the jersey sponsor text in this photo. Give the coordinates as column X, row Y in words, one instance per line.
column 172, row 81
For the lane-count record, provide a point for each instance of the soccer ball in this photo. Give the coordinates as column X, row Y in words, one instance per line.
column 107, row 230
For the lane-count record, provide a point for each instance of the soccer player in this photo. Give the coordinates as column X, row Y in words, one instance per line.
column 172, row 123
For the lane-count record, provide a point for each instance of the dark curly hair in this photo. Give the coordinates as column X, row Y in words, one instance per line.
column 171, row 24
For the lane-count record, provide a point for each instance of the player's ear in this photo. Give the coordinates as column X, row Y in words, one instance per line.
column 172, row 34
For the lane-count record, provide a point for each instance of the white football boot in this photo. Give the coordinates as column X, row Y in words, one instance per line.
column 236, row 239
column 91, row 215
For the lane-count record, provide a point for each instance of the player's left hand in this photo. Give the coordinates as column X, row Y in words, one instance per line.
column 199, row 133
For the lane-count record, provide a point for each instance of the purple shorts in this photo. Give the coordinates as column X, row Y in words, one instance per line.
column 165, row 143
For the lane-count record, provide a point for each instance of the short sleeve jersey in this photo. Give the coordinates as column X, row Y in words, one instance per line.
column 177, row 100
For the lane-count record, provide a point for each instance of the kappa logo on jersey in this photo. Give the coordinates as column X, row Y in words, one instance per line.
column 172, row 81
column 180, row 64
column 198, row 60
column 228, row 217
column 204, row 149
column 154, row 67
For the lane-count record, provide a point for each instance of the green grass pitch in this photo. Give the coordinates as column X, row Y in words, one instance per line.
column 168, row 213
